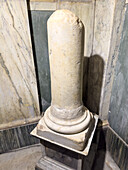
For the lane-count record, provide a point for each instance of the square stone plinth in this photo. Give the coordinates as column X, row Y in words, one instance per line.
column 79, row 143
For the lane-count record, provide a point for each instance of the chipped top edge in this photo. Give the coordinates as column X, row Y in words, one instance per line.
column 65, row 16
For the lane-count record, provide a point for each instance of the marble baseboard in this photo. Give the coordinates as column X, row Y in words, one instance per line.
column 117, row 148
column 17, row 137
column 112, row 143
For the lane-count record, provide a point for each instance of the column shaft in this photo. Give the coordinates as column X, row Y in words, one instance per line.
column 65, row 40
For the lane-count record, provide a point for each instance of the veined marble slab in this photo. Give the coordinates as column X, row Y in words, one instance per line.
column 119, row 16
column 118, row 109
column 106, row 30
column 18, row 87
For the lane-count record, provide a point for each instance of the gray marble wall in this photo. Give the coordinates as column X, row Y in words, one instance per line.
column 118, row 111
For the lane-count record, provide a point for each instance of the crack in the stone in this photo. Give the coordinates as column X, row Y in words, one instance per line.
column 35, row 109
column 13, row 24
column 2, row 62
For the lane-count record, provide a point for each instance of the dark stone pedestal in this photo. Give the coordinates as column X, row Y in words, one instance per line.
column 58, row 158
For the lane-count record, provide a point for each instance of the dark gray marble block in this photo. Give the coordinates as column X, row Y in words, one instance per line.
column 38, row 23
column 17, row 137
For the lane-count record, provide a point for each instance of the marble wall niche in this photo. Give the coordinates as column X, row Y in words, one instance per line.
column 18, row 87
column 103, row 24
column 39, row 13
column 84, row 10
column 118, row 114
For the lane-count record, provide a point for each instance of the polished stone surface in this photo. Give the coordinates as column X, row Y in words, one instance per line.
column 118, row 21
column 17, row 137
column 18, row 87
column 104, row 13
column 23, row 159
column 109, row 16
column 118, row 114
column 39, row 36
column 117, row 148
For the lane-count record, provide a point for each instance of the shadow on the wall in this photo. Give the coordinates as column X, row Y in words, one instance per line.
column 93, row 70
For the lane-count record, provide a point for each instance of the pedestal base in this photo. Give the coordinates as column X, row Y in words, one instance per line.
column 79, row 143
column 59, row 158
column 47, row 163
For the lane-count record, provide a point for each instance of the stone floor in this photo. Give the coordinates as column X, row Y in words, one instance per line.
column 26, row 158
column 23, row 159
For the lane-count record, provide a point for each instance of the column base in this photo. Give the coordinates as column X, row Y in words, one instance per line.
column 79, row 143
column 70, row 125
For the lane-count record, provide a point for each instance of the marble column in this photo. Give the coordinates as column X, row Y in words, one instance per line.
column 66, row 114
column 67, row 125
column 67, row 122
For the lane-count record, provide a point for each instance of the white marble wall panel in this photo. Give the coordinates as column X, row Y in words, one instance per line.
column 104, row 13
column 106, row 28
column 18, row 87
column 103, row 22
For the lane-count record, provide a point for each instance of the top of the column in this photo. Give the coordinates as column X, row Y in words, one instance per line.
column 65, row 16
